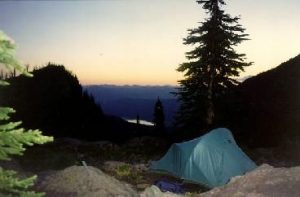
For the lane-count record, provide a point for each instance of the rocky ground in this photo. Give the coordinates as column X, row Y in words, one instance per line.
column 263, row 182
column 122, row 170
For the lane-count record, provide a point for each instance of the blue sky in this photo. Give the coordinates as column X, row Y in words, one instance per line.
column 140, row 41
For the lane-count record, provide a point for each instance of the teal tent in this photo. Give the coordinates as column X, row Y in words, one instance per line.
column 210, row 160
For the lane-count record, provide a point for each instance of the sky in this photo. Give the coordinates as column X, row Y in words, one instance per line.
column 140, row 41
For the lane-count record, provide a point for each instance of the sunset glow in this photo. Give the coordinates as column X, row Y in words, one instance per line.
column 140, row 41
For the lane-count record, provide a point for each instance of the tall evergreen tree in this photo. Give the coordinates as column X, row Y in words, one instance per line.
column 12, row 136
column 212, row 66
column 159, row 116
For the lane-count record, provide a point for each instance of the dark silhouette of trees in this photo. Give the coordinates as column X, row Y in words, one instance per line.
column 159, row 116
column 212, row 67
column 53, row 101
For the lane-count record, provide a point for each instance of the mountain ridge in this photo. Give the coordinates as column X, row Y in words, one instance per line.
column 273, row 101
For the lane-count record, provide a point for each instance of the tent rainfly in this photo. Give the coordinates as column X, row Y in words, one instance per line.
column 210, row 160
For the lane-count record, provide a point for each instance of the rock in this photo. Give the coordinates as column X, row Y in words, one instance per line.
column 140, row 167
column 142, row 186
column 80, row 181
column 262, row 182
column 154, row 191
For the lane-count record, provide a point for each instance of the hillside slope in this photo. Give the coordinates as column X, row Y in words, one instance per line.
column 54, row 101
column 273, row 102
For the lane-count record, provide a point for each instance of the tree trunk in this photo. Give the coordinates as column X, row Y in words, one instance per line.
column 210, row 109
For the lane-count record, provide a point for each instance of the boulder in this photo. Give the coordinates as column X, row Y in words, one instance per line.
column 262, row 182
column 154, row 191
column 141, row 167
column 80, row 181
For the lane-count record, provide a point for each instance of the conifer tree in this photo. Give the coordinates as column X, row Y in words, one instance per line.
column 159, row 116
column 12, row 136
column 138, row 120
column 212, row 67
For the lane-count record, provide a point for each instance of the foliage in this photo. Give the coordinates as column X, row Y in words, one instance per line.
column 212, row 67
column 190, row 194
column 123, row 170
column 7, row 56
column 12, row 137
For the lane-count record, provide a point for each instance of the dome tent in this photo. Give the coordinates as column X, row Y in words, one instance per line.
column 210, row 160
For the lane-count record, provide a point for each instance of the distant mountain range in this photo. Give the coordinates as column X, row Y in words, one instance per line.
column 130, row 101
column 265, row 111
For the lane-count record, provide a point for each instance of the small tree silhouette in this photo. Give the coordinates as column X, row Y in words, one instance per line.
column 138, row 120
column 159, row 116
